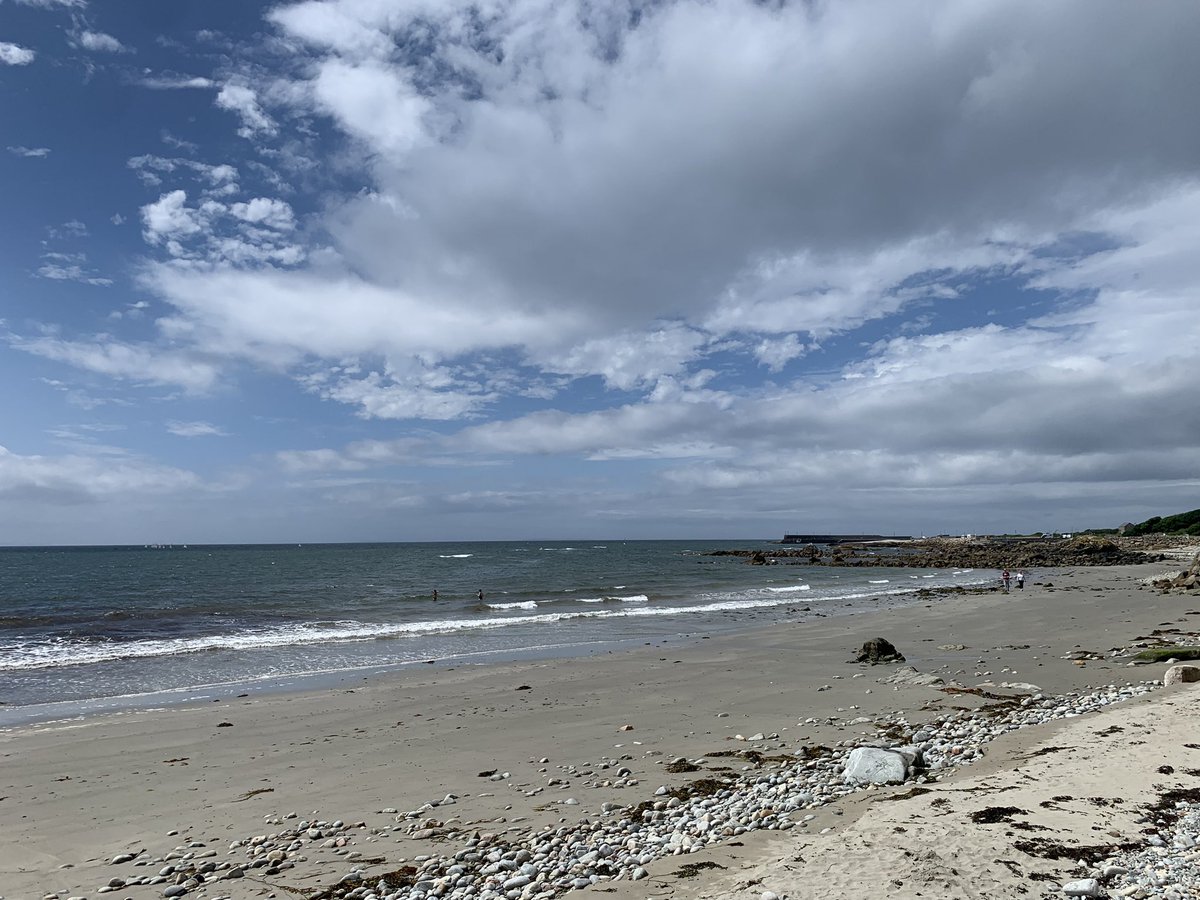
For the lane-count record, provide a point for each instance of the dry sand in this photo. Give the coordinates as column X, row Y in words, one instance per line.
column 74, row 795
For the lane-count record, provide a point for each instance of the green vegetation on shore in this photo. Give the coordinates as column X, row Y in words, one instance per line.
column 1161, row 654
column 1181, row 523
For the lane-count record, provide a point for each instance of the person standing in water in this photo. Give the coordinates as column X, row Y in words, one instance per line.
column 435, row 593
column 479, row 594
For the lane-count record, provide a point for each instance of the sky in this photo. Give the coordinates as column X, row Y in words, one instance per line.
column 349, row 270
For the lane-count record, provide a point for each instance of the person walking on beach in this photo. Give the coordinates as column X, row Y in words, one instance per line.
column 1020, row 581
column 1005, row 578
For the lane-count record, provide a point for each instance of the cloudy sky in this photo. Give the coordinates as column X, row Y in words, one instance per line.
column 439, row 269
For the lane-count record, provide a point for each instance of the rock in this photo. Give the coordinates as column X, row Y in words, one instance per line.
column 1181, row 675
column 909, row 675
column 122, row 858
column 879, row 650
column 870, row 765
column 1085, row 887
column 1021, row 687
column 174, row 890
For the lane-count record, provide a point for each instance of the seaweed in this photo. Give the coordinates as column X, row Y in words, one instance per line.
column 691, row 870
column 993, row 814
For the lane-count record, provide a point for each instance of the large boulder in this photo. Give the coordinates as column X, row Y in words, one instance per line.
column 1181, row 675
column 871, row 765
column 879, row 650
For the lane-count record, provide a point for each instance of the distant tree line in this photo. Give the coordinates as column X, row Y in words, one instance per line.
column 1182, row 523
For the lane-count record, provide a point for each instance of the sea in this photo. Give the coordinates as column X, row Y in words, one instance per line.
column 85, row 630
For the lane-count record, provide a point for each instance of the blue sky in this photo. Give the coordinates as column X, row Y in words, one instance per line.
column 370, row 270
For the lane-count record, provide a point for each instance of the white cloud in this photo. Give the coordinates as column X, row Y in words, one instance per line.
column 274, row 315
column 57, row 271
column 76, row 479
column 265, row 211
column 775, row 354
column 629, row 361
column 243, row 100
column 99, row 42
column 215, row 233
column 374, row 102
column 195, row 429
column 139, row 363
column 170, row 81
column 15, row 54
column 34, row 152
column 50, row 4
column 169, row 218
column 218, row 179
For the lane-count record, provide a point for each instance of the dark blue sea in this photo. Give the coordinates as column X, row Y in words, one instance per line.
column 86, row 629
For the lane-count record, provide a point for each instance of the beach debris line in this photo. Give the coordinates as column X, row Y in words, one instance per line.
column 620, row 842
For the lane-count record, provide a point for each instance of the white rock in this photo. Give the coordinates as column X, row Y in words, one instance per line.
column 870, row 765
column 1085, row 887
column 1181, row 675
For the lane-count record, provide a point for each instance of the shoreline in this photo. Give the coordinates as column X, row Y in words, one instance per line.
column 292, row 683
column 80, row 794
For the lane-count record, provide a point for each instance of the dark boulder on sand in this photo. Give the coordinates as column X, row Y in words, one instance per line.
column 879, row 650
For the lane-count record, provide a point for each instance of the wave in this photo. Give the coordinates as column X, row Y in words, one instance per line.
column 879, row 581
column 64, row 652
column 455, row 555
column 788, row 590
column 633, row 598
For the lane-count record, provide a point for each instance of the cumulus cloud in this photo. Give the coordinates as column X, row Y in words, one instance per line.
column 850, row 243
column 242, row 100
column 265, row 211
column 32, row 152
column 15, row 54
column 627, row 181
column 213, row 232
column 99, row 42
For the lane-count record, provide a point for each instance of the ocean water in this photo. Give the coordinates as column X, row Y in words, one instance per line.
column 109, row 628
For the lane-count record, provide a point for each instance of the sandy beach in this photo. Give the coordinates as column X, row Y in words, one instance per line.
column 583, row 739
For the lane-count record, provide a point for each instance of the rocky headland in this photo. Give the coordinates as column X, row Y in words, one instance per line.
column 975, row 553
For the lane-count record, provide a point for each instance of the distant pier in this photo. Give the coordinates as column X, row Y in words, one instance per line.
column 841, row 538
